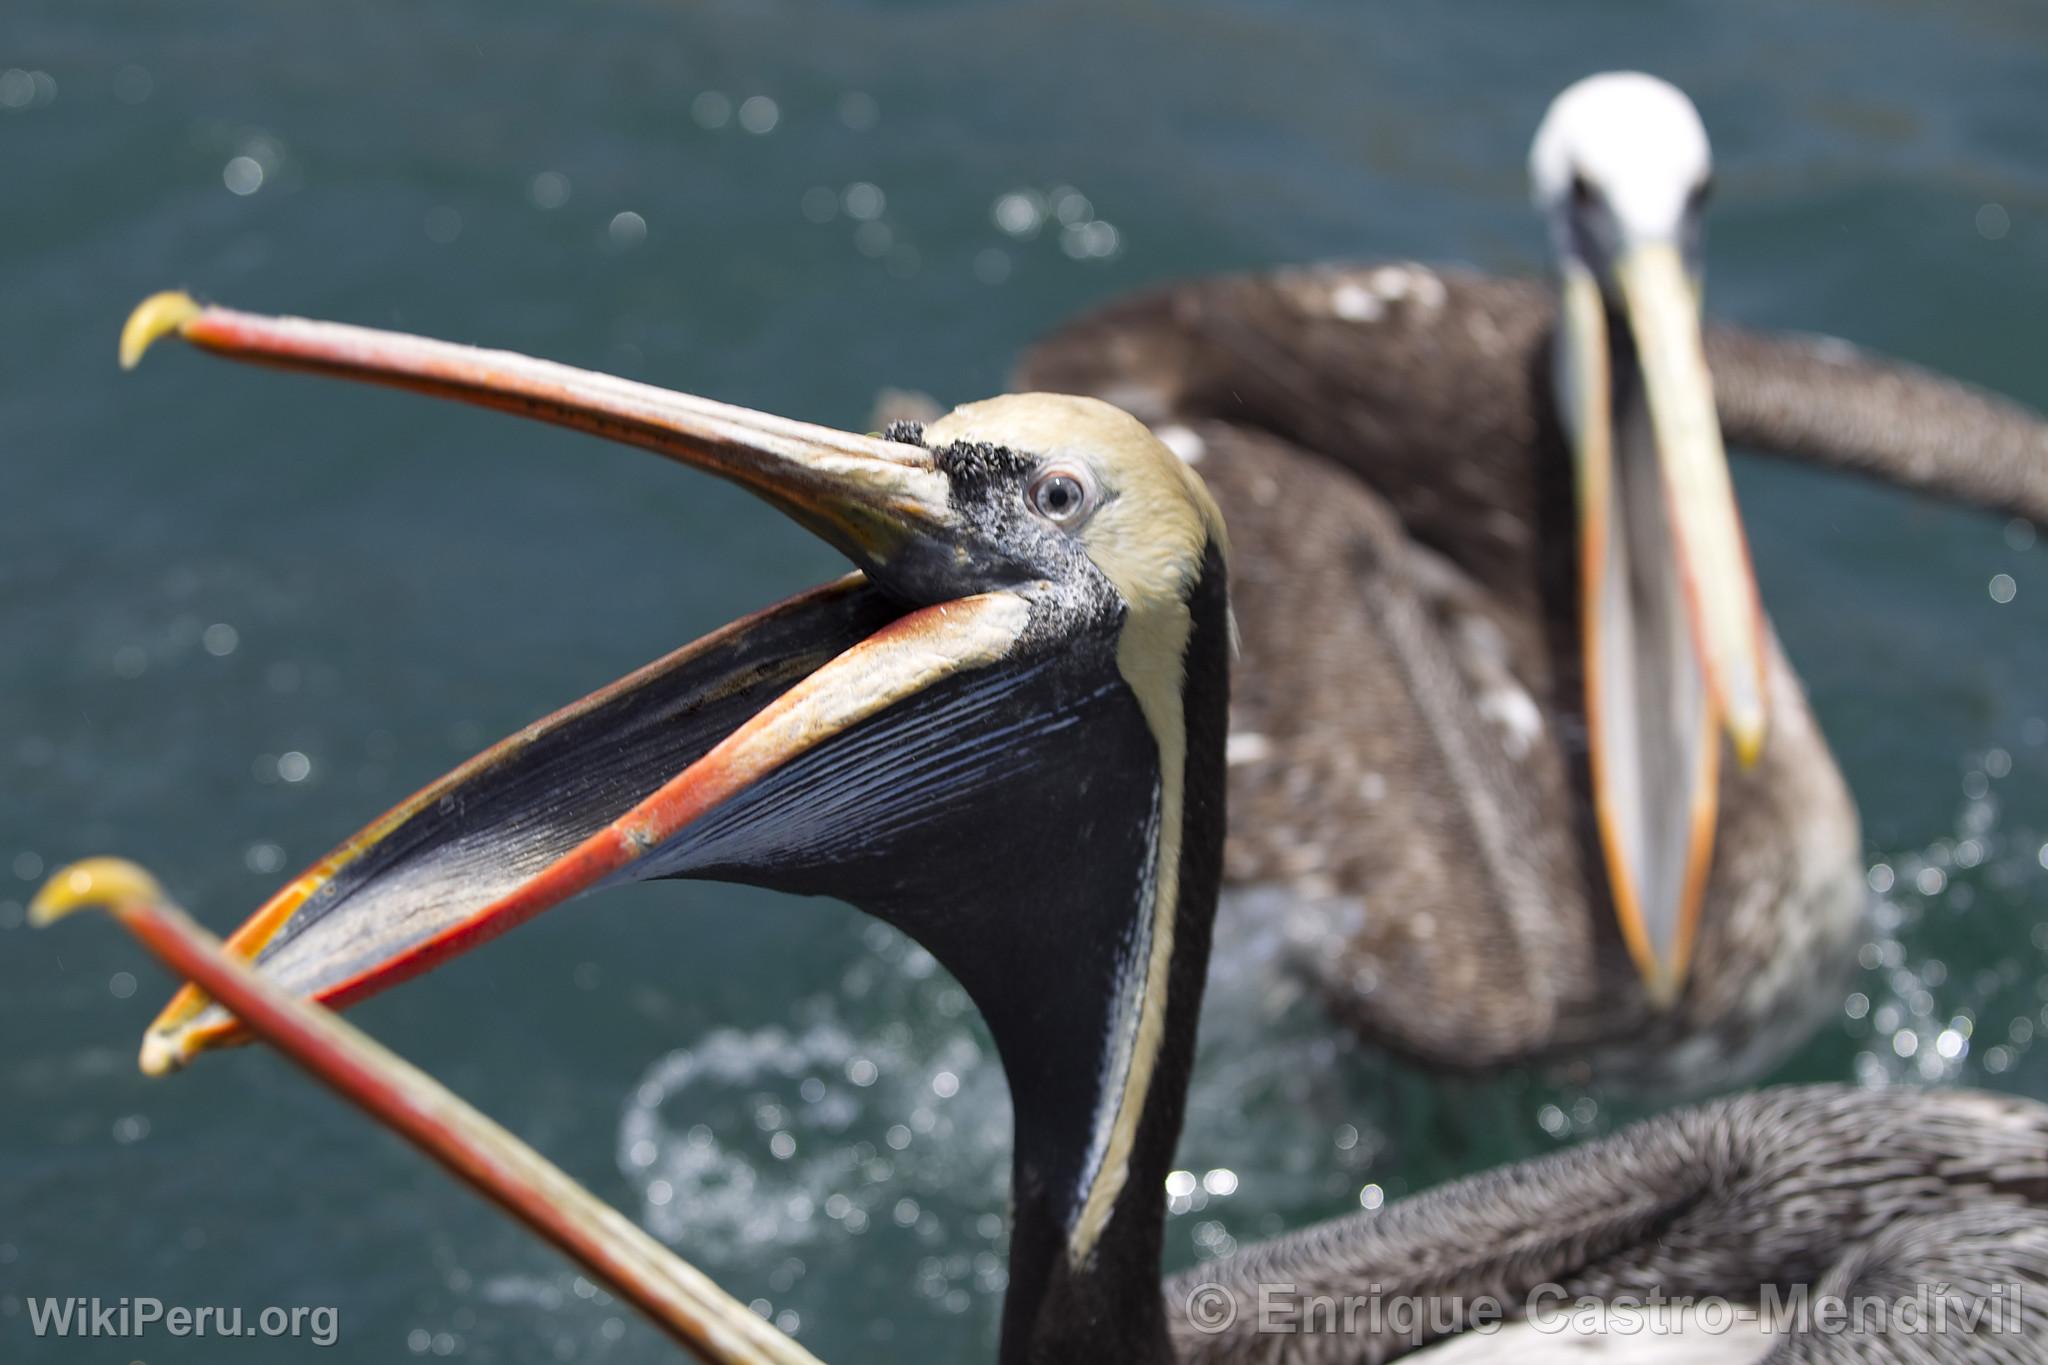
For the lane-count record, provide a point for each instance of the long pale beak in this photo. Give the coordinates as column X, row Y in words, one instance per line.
column 675, row 1296
column 1673, row 629
column 881, row 503
column 629, row 782
column 1720, row 584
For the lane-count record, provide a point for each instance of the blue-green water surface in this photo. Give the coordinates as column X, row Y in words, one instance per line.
column 242, row 612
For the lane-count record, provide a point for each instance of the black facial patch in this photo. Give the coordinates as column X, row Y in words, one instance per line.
column 987, row 484
column 976, row 468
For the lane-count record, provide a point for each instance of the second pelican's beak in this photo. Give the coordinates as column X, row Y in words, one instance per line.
column 1673, row 627
column 741, row 751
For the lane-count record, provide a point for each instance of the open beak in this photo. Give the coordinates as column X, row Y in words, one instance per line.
column 1673, row 635
column 881, row 503
column 630, row 782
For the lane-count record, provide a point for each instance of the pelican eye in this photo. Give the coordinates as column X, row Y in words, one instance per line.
column 1060, row 496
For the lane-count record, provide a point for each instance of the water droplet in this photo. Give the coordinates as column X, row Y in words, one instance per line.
column 1019, row 213
column 759, row 115
column 293, row 766
column 220, row 639
column 864, row 201
column 17, row 88
column 2003, row 588
column 1993, row 222
column 1092, row 240
column 549, row 190
column 242, row 175
column 628, row 229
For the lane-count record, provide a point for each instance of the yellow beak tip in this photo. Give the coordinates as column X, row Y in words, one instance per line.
column 1662, row 986
column 161, row 1055
column 155, row 317
column 1749, row 744
column 96, row 882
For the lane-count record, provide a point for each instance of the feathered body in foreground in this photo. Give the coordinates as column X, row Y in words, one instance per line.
column 1402, row 461
column 1767, row 1201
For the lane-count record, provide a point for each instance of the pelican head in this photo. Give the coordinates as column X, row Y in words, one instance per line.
column 1039, row 579
column 1621, row 161
column 1674, row 638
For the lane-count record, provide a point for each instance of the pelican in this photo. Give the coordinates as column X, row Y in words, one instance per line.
column 1006, row 734
column 1512, row 735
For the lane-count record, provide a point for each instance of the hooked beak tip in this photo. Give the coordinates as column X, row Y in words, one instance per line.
column 1747, row 732
column 96, row 883
column 1662, row 989
column 126, row 891
column 161, row 1055
column 154, row 318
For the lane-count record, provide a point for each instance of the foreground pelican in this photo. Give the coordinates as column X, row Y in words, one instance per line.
column 1006, row 736
column 1511, row 732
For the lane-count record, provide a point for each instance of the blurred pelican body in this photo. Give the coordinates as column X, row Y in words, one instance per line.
column 1512, row 733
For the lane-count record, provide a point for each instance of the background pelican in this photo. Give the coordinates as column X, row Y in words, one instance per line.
column 1499, row 615
column 1007, row 735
